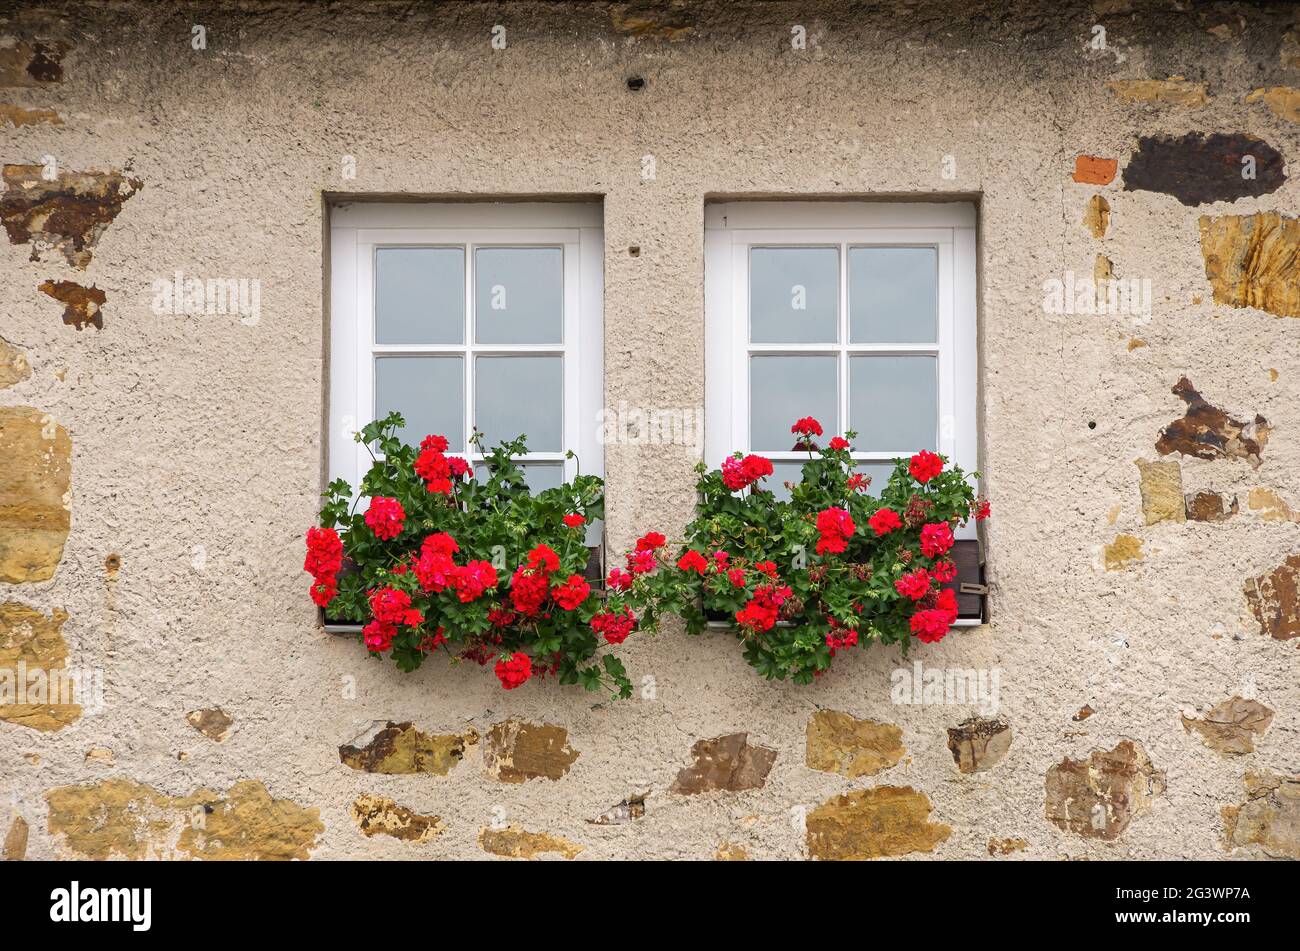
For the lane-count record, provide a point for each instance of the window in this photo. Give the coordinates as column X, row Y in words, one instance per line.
column 465, row 316
column 859, row 314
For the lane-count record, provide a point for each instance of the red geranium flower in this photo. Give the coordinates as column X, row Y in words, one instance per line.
column 836, row 527
column 839, row 442
column 614, row 627
column 932, row 624
column 936, row 539
column 981, row 509
column 884, row 521
column 515, row 671
column 924, row 466
column 692, row 560
column 574, row 520
column 641, row 561
column 914, row 585
column 619, row 579
column 807, row 427
column 385, row 517
column 572, row 593
column 544, row 558
column 650, row 541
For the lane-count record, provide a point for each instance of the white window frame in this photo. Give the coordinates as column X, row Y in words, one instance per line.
column 358, row 229
column 732, row 229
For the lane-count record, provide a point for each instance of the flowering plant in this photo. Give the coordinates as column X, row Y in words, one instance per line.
column 479, row 569
column 830, row 569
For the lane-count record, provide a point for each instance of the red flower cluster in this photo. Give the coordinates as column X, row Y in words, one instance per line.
column 835, row 527
column 530, row 583
column 838, row 442
column 385, row 517
column 472, row 580
column 692, row 560
column 763, row 609
column 324, row 559
column 434, row 568
column 807, row 427
column 650, row 541
column 572, row 593
column 884, row 521
column 936, row 539
column 574, row 520
column 915, row 585
column 925, row 465
column 739, row 473
column 980, row 509
column 515, row 671
column 943, row 571
column 642, row 561
column 619, row 580
column 614, row 627
column 931, row 624
column 437, row 469
column 389, row 608
column 840, row 637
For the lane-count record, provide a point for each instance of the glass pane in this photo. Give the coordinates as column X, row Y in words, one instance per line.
column 894, row 403
column 878, row 472
column 893, row 295
column 794, row 295
column 518, row 295
column 783, row 472
column 539, row 476
column 783, row 389
column 419, row 295
column 428, row 391
column 516, row 396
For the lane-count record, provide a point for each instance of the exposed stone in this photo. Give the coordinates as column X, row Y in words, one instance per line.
column 1098, row 797
column 1269, row 818
column 81, row 305
column 633, row 807
column 1135, row 343
column 978, row 744
column 1162, row 491
column 35, row 641
column 100, row 754
column 1252, row 261
column 1085, row 711
column 1197, row 168
column 1207, row 432
column 212, row 723
column 401, row 748
column 1289, row 54
column 1231, row 727
column 1210, row 507
column 1125, row 550
column 1282, row 101
column 728, row 763
column 655, row 20
column 1271, row 506
column 514, row 842
column 872, row 823
column 840, row 743
column 34, row 481
column 69, row 213
column 15, row 847
column 29, row 63
column 731, row 853
column 375, row 815
column 516, row 751
column 1174, row 91
column 119, row 817
column 1096, row 216
column 1007, row 846
column 1274, row 599
column 17, row 116
column 14, row 367
column 1091, row 170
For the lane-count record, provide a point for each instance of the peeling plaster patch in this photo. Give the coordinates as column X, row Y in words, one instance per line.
column 1207, row 432
column 1125, row 550
column 29, row 63
column 14, row 367
column 1135, row 343
column 400, row 748
column 978, row 744
column 1085, row 711
column 731, row 853
column 653, row 20
column 1098, row 797
column 1230, row 727
column 1274, row 599
column 1162, row 491
column 633, row 807
column 1253, row 261
column 375, row 815
column 514, row 842
column 1196, row 168
column 871, row 823
column 82, row 305
column 1282, row 101
column 120, row 817
column 18, row 117
column 1006, row 846
column 727, row 763
column 68, row 214
column 1091, row 170
column 1096, row 216
column 1174, row 91
column 1269, row 818
column 1210, row 507
column 29, row 637
column 99, row 754
column 212, row 723
column 839, row 743
column 34, row 492
column 1271, row 506
column 15, row 847
column 516, row 751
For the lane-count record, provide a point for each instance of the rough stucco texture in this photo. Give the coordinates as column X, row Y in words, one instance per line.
column 195, row 442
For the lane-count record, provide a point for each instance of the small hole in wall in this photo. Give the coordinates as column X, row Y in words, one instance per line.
column 634, row 250
column 1092, row 424
column 635, row 83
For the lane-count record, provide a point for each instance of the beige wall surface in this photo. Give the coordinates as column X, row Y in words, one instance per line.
column 158, row 471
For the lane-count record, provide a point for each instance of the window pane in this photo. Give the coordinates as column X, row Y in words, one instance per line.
column 794, row 295
column 516, row 396
column 878, row 472
column 893, row 295
column 420, row 295
column 783, row 472
column 538, row 476
column 894, row 403
column 783, row 389
column 518, row 295
column 428, row 391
